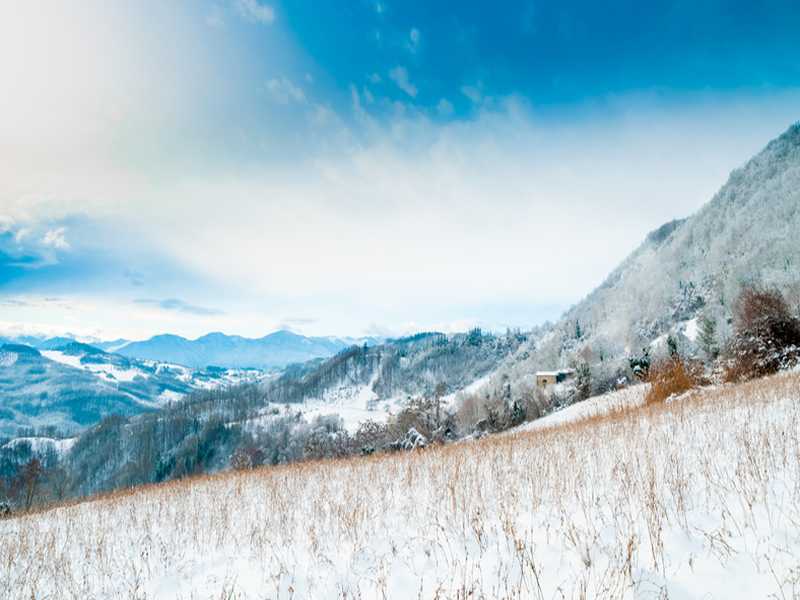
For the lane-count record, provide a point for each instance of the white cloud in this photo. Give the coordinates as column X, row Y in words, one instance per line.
column 444, row 107
column 284, row 91
column 253, row 10
column 55, row 238
column 6, row 224
column 400, row 76
column 472, row 92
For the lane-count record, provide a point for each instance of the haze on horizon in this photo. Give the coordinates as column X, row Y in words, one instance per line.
column 369, row 169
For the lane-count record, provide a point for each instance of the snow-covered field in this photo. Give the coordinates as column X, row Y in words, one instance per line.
column 697, row 498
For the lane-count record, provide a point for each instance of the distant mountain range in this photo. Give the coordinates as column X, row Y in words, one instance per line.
column 273, row 351
column 276, row 350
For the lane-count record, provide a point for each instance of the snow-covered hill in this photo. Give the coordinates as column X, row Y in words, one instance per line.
column 696, row 498
column 685, row 271
column 72, row 386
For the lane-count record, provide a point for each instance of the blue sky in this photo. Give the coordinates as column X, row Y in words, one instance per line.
column 363, row 166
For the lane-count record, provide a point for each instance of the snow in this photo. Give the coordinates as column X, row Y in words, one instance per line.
column 106, row 371
column 473, row 388
column 625, row 399
column 698, row 498
column 8, row 359
column 355, row 404
column 168, row 396
column 690, row 329
column 40, row 445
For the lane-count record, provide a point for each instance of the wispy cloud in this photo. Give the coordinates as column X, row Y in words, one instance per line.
column 177, row 305
column 56, row 238
column 13, row 302
column 296, row 323
column 284, row 91
column 400, row 76
column 473, row 92
column 414, row 38
column 444, row 107
column 135, row 277
column 255, row 11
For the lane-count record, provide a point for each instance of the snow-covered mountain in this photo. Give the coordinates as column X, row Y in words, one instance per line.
column 687, row 270
column 369, row 382
column 71, row 386
column 358, row 384
column 275, row 350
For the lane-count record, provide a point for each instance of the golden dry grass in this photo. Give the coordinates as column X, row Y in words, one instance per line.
column 671, row 377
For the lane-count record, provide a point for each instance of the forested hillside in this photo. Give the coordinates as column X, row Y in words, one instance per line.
column 684, row 279
column 294, row 416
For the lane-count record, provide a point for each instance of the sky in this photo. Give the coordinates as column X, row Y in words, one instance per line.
column 368, row 167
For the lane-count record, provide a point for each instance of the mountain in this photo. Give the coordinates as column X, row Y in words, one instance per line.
column 36, row 392
column 324, row 397
column 685, row 271
column 275, row 350
column 74, row 385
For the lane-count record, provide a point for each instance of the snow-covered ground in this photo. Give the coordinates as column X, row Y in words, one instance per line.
column 41, row 445
column 696, row 498
column 600, row 406
column 196, row 379
column 106, row 371
column 354, row 404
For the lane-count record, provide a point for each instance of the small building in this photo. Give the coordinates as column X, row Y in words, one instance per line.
column 546, row 378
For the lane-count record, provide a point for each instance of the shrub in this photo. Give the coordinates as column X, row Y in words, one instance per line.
column 640, row 365
column 766, row 336
column 671, row 377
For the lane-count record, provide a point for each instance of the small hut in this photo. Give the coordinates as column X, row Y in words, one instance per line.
column 548, row 378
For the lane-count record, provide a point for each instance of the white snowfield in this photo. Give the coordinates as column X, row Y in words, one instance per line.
column 695, row 498
column 106, row 371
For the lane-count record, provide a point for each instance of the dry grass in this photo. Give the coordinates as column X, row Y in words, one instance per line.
column 672, row 377
column 664, row 500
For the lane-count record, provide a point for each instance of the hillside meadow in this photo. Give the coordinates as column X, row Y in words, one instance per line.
column 698, row 497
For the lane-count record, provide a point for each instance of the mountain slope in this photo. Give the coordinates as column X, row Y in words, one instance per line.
column 687, row 269
column 275, row 350
column 36, row 392
column 74, row 385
